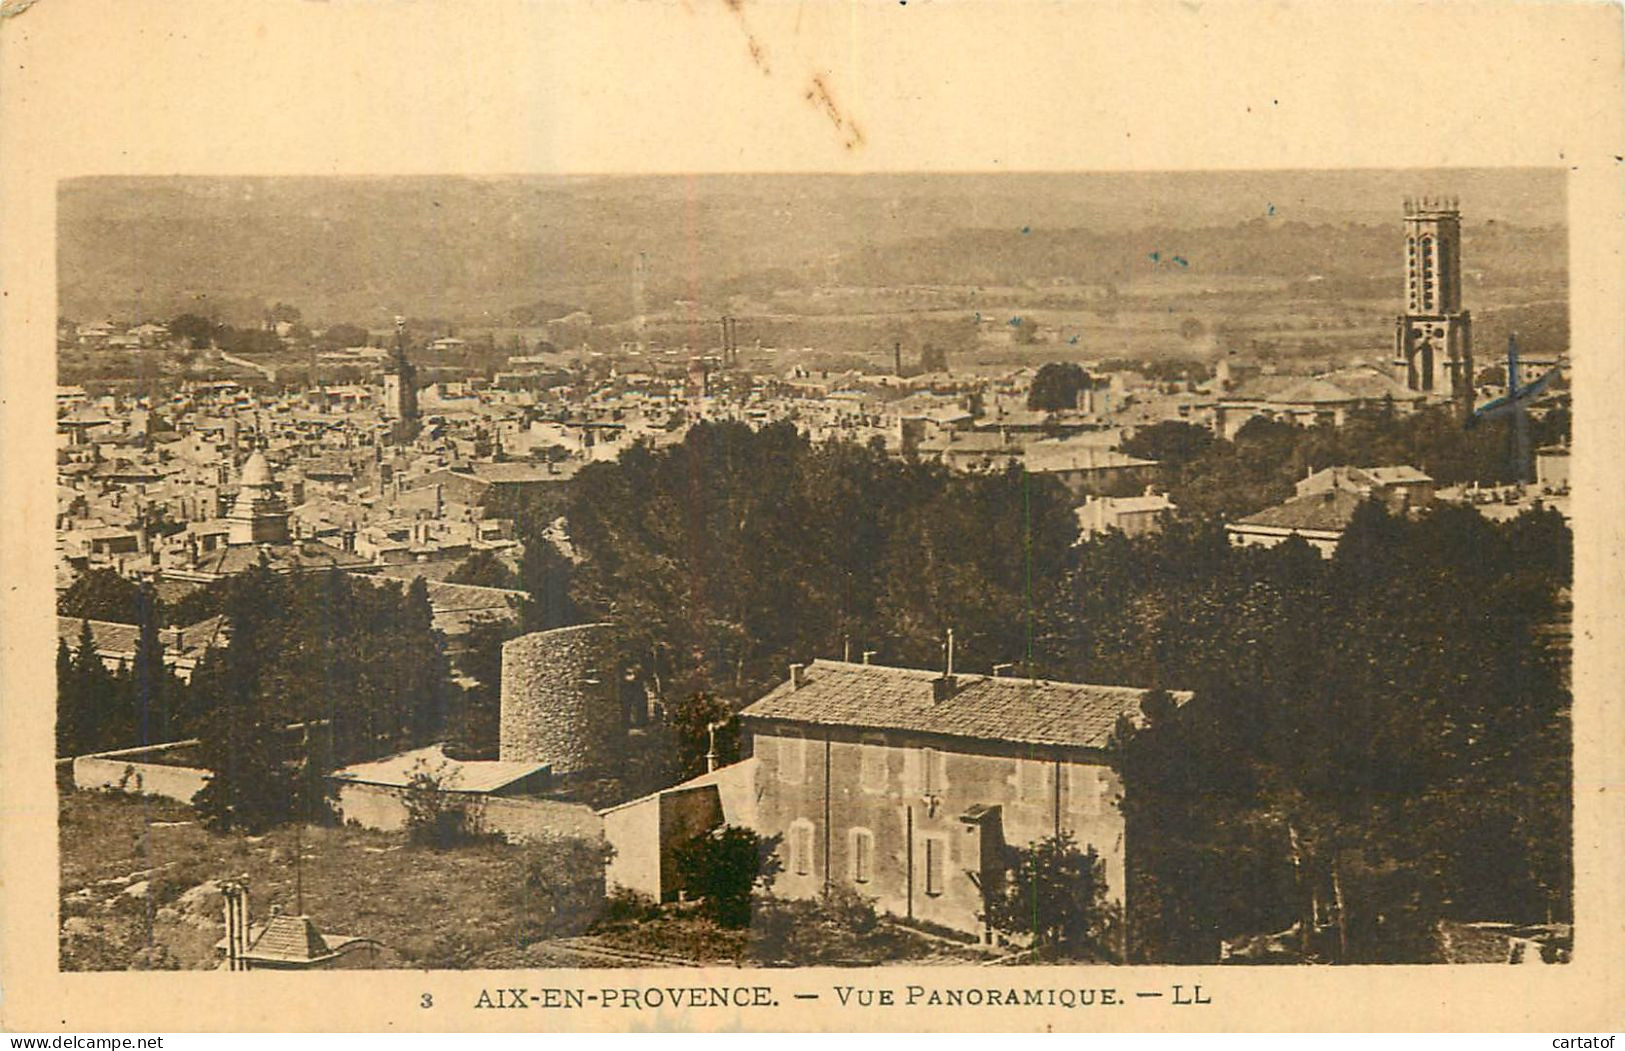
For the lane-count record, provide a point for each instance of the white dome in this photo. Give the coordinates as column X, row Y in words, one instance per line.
column 256, row 471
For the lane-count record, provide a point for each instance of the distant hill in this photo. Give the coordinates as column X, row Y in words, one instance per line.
column 477, row 250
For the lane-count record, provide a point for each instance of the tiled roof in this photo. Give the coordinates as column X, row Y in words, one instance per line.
column 447, row 598
column 289, row 938
column 110, row 636
column 1078, row 456
column 1127, row 505
column 1025, row 711
column 306, row 554
column 114, row 638
column 1326, row 511
column 968, row 442
column 1343, row 385
column 1396, row 474
column 523, row 472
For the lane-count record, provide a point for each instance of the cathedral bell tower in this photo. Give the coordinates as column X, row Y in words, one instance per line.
column 1433, row 344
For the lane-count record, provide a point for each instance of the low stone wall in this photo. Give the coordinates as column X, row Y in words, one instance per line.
column 516, row 819
column 132, row 770
column 521, row 819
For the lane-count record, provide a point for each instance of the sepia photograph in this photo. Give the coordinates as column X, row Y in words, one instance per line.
column 710, row 516
column 1164, row 568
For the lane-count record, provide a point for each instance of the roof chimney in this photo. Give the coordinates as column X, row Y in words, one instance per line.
column 797, row 676
column 942, row 687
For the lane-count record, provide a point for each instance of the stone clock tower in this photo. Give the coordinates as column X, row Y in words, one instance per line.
column 1433, row 339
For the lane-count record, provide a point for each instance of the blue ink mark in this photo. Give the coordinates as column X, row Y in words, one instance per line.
column 1181, row 260
column 1014, row 322
column 978, row 317
column 1156, row 257
column 1271, row 210
column 1026, row 229
column 1073, row 341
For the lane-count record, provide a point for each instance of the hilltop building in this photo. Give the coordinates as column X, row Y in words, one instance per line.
column 903, row 784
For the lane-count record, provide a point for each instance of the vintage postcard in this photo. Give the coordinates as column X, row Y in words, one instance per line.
column 811, row 516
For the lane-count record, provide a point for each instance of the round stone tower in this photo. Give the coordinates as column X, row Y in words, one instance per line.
column 561, row 701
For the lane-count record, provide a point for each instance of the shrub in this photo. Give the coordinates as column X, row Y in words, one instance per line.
column 773, row 926
column 623, row 905
column 1053, row 896
column 721, row 868
column 433, row 818
column 849, row 909
column 837, row 929
column 561, row 887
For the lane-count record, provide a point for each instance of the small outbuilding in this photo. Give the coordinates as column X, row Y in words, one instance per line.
column 373, row 794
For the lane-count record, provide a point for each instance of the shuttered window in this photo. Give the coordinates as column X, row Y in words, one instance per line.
column 801, row 848
column 873, row 774
column 863, row 855
column 792, row 757
column 936, row 865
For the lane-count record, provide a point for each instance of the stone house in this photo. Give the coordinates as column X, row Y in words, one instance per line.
column 902, row 784
column 1325, row 503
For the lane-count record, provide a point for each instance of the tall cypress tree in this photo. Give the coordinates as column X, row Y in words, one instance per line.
column 67, row 702
column 94, row 696
column 150, row 689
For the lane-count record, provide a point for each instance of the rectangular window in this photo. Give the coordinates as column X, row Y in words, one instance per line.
column 873, row 774
column 863, row 855
column 936, row 864
column 1032, row 781
column 1089, row 789
column 932, row 771
column 1081, row 792
column 801, row 848
column 792, row 757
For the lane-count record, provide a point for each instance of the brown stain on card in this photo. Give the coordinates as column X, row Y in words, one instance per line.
column 817, row 92
column 758, row 53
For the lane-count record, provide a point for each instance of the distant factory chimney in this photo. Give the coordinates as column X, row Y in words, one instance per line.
column 640, row 278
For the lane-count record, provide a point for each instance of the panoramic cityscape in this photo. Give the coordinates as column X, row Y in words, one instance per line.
column 814, row 570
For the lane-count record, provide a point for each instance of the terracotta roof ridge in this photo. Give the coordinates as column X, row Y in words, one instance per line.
column 922, row 674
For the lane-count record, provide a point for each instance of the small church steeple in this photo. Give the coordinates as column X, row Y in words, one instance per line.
column 258, row 515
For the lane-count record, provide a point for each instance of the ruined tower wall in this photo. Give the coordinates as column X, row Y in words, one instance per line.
column 560, row 699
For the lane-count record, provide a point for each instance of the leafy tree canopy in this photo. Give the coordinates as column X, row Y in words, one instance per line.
column 101, row 594
column 1056, row 386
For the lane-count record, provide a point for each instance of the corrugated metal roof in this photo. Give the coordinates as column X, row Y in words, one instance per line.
column 1025, row 711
